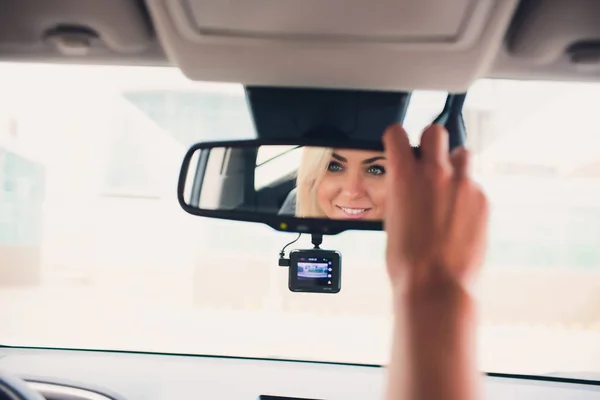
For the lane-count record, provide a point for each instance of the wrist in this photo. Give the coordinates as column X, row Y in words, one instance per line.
column 435, row 337
column 443, row 295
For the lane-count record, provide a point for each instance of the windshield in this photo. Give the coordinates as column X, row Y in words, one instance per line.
column 95, row 252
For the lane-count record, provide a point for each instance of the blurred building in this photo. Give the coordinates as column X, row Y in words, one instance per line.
column 22, row 188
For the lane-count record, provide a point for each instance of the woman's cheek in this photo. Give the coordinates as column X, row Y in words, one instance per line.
column 379, row 197
column 324, row 194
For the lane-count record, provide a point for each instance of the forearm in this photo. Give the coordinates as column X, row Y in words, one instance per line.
column 434, row 353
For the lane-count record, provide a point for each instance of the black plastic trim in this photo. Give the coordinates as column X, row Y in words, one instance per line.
column 213, row 356
column 545, row 378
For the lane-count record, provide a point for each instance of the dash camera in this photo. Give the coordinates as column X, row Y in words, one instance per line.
column 315, row 271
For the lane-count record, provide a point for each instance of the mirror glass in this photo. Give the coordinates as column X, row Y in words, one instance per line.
column 288, row 180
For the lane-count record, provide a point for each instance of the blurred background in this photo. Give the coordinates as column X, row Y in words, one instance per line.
column 95, row 251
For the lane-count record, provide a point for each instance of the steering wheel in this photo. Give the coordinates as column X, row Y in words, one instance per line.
column 13, row 388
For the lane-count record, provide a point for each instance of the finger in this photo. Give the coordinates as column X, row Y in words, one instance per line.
column 434, row 146
column 400, row 166
column 398, row 151
column 460, row 158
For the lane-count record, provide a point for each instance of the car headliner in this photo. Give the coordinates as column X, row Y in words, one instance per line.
column 400, row 45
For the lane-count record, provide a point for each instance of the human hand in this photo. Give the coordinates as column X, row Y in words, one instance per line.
column 436, row 215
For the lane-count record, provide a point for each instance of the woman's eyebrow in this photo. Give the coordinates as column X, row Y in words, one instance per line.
column 372, row 160
column 339, row 158
column 367, row 161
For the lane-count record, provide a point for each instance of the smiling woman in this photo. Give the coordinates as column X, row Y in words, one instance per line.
column 341, row 184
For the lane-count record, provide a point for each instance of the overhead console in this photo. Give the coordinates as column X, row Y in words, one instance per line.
column 385, row 44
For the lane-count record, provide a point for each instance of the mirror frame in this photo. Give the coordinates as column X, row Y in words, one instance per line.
column 278, row 222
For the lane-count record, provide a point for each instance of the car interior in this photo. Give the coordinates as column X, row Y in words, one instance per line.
column 114, row 286
column 234, row 180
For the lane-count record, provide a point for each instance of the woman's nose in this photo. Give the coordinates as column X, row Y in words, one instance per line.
column 353, row 185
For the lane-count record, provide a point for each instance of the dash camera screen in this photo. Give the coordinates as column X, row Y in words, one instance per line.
column 315, row 271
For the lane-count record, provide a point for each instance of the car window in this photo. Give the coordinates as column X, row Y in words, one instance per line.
column 274, row 163
column 95, row 249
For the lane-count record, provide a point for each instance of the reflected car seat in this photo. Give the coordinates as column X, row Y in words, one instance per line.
column 289, row 205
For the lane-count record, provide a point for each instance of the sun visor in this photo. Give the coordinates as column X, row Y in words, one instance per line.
column 380, row 44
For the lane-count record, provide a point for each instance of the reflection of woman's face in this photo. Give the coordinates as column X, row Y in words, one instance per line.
column 353, row 185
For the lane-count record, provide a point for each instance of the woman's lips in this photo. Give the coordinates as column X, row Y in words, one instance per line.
column 354, row 212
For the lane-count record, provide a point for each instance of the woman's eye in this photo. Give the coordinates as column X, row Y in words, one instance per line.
column 376, row 170
column 334, row 166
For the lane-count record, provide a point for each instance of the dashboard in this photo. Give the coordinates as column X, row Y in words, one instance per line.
column 98, row 375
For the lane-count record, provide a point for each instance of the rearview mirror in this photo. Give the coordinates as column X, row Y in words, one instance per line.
column 313, row 187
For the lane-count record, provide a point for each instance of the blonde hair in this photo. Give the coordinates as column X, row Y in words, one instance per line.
column 313, row 166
